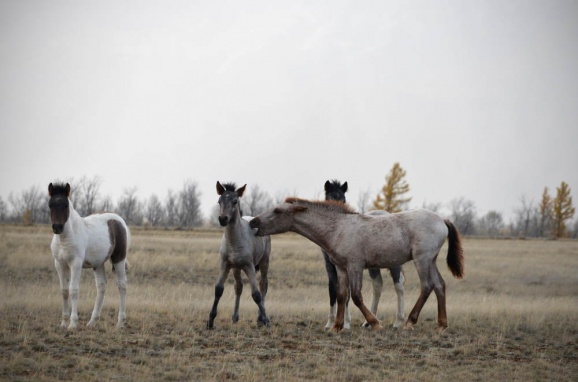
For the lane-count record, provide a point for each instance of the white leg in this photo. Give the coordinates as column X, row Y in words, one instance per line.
column 100, row 280
column 400, row 317
column 347, row 323
column 120, row 269
column 74, row 288
column 331, row 316
column 64, row 277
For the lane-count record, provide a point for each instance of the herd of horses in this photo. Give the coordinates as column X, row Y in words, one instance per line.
column 350, row 242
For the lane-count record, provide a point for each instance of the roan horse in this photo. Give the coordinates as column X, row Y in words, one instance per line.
column 354, row 241
column 86, row 243
column 240, row 250
column 334, row 190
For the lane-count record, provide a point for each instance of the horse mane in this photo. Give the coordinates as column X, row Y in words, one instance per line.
column 58, row 189
column 230, row 186
column 331, row 205
column 335, row 183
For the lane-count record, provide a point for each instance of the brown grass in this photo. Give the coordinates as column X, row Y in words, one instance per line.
column 514, row 317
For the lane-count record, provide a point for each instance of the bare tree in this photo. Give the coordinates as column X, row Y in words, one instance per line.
column 524, row 216
column 128, row 207
column 463, row 214
column 364, row 201
column 281, row 195
column 544, row 213
column 29, row 207
column 3, row 210
column 86, row 195
column 171, row 209
column 433, row 207
column 106, row 204
column 255, row 201
column 189, row 207
column 491, row 224
column 154, row 211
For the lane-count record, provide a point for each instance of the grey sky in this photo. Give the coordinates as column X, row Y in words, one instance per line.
column 475, row 99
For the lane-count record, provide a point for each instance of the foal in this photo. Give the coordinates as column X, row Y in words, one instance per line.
column 86, row 243
column 334, row 190
column 240, row 250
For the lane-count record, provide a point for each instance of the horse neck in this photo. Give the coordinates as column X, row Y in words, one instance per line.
column 319, row 226
column 234, row 232
column 74, row 221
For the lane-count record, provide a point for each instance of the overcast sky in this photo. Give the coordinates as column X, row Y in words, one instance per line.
column 475, row 99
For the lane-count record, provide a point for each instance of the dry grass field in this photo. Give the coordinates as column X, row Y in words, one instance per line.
column 513, row 318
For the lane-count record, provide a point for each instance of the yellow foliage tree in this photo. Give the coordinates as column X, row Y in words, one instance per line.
column 391, row 197
column 562, row 210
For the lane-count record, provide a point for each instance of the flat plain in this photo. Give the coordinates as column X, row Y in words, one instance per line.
column 514, row 317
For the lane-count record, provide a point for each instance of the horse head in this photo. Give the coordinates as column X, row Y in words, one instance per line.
column 229, row 202
column 334, row 190
column 59, row 205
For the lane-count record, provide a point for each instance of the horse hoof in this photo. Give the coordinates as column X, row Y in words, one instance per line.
column 91, row 324
column 441, row 329
column 377, row 327
column 263, row 322
column 210, row 325
column 365, row 325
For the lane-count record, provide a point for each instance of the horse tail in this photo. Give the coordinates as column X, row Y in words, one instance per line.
column 455, row 257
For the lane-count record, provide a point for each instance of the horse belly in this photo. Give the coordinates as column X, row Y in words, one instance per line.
column 387, row 258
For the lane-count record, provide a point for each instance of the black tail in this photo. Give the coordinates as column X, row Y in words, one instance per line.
column 455, row 257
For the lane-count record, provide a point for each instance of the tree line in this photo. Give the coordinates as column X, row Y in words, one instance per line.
column 549, row 217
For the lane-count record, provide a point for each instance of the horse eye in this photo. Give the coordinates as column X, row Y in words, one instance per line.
column 277, row 211
column 234, row 202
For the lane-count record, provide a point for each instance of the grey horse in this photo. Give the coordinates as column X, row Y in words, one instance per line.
column 334, row 190
column 354, row 242
column 240, row 251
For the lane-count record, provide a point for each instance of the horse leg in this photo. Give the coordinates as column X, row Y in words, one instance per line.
column 120, row 270
column 100, row 280
column 377, row 283
column 262, row 319
column 263, row 280
column 355, row 283
column 332, row 286
column 423, row 270
column 398, row 281
column 440, row 291
column 342, row 296
column 238, row 291
column 64, row 278
column 219, row 289
column 75, row 270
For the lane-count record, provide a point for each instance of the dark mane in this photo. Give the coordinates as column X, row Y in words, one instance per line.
column 58, row 189
column 229, row 186
column 331, row 205
column 335, row 183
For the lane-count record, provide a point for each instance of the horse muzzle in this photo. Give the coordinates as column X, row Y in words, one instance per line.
column 255, row 223
column 223, row 220
column 57, row 228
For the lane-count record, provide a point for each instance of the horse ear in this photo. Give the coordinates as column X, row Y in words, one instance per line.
column 240, row 191
column 220, row 188
column 298, row 208
column 50, row 189
column 327, row 186
column 67, row 190
column 344, row 187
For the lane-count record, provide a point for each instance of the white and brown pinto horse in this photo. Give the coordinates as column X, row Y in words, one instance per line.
column 86, row 243
column 355, row 241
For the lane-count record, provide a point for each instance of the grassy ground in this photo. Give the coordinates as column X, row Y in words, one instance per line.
column 514, row 317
